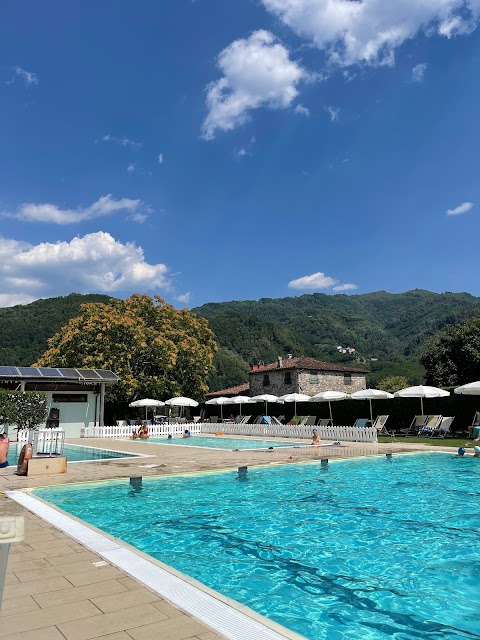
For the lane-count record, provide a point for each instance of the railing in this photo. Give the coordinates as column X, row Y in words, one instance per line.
column 44, row 435
column 154, row 430
column 345, row 434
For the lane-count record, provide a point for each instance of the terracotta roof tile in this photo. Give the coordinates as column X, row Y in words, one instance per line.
column 306, row 363
column 231, row 391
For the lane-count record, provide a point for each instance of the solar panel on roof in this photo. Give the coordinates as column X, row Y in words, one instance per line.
column 30, row 372
column 89, row 374
column 106, row 375
column 50, row 373
column 8, row 371
column 69, row 373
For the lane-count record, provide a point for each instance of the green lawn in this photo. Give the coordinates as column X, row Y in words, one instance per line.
column 443, row 442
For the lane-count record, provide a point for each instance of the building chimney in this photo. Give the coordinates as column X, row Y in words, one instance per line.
column 279, row 362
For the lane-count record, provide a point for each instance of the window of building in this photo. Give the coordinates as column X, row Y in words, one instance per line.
column 347, row 378
column 266, row 380
column 69, row 397
column 288, row 377
column 313, row 377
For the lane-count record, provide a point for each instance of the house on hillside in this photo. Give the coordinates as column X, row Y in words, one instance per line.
column 75, row 396
column 298, row 375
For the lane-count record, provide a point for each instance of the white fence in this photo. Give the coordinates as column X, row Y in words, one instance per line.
column 345, row 434
column 44, row 435
column 154, row 430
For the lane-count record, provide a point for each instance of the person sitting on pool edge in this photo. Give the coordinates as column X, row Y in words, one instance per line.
column 315, row 438
column 143, row 432
column 4, row 444
column 186, row 434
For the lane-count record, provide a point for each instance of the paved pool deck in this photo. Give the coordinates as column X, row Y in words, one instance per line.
column 54, row 591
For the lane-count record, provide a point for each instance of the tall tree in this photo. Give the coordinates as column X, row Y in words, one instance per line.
column 453, row 357
column 393, row 383
column 156, row 350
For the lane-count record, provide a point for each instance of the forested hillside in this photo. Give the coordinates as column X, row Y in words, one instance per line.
column 387, row 330
column 25, row 329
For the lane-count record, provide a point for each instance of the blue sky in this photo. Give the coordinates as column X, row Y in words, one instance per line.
column 210, row 150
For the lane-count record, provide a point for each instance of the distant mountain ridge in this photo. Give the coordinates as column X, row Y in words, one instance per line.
column 386, row 330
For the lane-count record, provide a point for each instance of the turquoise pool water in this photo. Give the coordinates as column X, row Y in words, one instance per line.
column 226, row 443
column 363, row 549
column 73, row 453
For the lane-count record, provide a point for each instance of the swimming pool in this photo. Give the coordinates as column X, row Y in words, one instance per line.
column 74, row 453
column 366, row 549
column 225, row 443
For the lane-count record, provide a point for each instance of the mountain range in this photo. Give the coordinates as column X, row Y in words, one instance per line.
column 380, row 331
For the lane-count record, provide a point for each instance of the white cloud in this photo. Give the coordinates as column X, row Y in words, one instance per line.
column 184, row 298
column 93, row 263
column 345, row 287
column 462, row 208
column 131, row 168
column 28, row 77
column 370, row 31
column 319, row 281
column 333, row 113
column 257, row 72
column 104, row 206
column 301, row 110
column 241, row 153
column 161, row 159
column 124, row 141
column 418, row 72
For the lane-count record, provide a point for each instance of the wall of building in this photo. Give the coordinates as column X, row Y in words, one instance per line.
column 74, row 416
column 303, row 382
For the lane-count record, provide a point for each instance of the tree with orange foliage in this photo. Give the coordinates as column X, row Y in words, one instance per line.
column 156, row 350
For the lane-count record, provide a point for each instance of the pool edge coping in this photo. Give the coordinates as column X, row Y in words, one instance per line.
column 217, row 611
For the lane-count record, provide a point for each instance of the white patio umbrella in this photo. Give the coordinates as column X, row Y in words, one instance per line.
column 371, row 394
column 220, row 402
column 266, row 397
column 329, row 396
column 295, row 397
column 147, row 402
column 470, row 389
column 240, row 400
column 422, row 392
column 181, row 402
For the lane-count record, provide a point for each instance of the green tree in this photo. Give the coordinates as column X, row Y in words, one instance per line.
column 453, row 357
column 156, row 350
column 393, row 383
column 24, row 409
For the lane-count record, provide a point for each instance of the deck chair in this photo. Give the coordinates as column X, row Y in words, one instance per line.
column 276, row 421
column 361, row 422
column 379, row 425
column 475, row 423
column 324, row 422
column 213, row 419
column 309, row 421
column 197, row 419
column 443, row 428
column 297, row 420
column 430, row 426
column 417, row 423
column 121, row 423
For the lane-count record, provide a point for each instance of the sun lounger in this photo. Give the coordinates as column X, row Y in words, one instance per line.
column 324, row 422
column 361, row 423
column 276, row 421
column 309, row 421
column 475, row 423
column 431, row 424
column 379, row 425
column 297, row 420
column 443, row 428
column 417, row 423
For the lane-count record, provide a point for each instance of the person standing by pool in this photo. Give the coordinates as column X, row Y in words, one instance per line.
column 315, row 438
column 4, row 444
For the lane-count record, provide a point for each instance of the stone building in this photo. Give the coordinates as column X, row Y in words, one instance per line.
column 298, row 375
column 304, row 375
